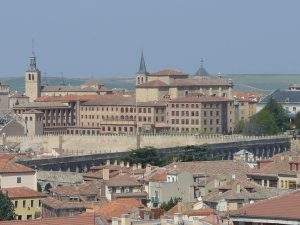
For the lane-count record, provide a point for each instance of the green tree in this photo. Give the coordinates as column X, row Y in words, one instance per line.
column 240, row 126
column 147, row 155
column 297, row 120
column 262, row 123
column 279, row 113
column 39, row 187
column 6, row 208
column 166, row 206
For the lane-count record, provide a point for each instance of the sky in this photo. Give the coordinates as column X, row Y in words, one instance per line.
column 102, row 38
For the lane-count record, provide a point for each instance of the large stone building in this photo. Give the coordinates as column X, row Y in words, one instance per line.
column 165, row 101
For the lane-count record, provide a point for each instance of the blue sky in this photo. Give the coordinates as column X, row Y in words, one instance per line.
column 105, row 38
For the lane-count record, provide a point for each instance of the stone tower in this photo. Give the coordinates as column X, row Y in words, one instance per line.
column 33, row 122
column 4, row 97
column 141, row 75
column 33, row 80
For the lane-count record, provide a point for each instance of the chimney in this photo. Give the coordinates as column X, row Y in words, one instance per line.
column 238, row 188
column 258, row 164
column 291, row 166
column 105, row 174
column 108, row 162
column 139, row 166
column 178, row 218
column 233, row 176
column 127, row 164
column 216, row 182
column 122, row 164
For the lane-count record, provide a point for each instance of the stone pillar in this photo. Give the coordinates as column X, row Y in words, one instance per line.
column 138, row 140
column 51, row 117
column 4, row 139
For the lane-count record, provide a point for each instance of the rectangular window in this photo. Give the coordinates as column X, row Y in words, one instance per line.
column 24, row 203
column 19, row 180
column 16, row 204
column 31, row 203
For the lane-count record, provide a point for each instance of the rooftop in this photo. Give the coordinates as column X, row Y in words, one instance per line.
column 62, row 88
column 283, row 96
column 104, row 100
column 57, row 204
column 66, row 98
column 285, row 207
column 123, row 180
column 117, row 207
column 86, row 219
column 169, row 72
column 8, row 165
column 42, row 105
column 22, row 192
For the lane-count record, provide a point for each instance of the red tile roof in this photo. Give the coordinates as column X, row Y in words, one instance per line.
column 22, row 192
column 117, row 207
column 168, row 72
column 153, row 83
column 86, row 219
column 283, row 207
column 8, row 165
column 123, row 180
column 66, row 98
column 103, row 100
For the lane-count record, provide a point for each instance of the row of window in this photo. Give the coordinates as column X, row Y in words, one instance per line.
column 205, row 129
column 104, row 129
column 194, row 113
column 205, row 105
column 194, row 121
column 24, row 203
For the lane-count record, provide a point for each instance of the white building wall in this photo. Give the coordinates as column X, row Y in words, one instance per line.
column 10, row 180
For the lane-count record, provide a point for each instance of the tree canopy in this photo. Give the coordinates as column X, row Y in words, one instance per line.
column 272, row 119
column 6, row 208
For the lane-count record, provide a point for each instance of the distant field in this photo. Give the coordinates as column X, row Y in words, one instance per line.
column 247, row 82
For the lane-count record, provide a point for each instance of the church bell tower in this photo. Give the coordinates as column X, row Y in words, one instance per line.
column 33, row 80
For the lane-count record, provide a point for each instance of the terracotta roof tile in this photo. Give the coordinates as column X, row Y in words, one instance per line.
column 66, row 98
column 111, row 100
column 168, row 72
column 8, row 165
column 153, row 83
column 117, row 207
column 22, row 192
column 121, row 180
column 86, row 219
column 283, row 207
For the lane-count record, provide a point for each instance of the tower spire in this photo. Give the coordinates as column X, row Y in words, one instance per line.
column 32, row 59
column 202, row 71
column 142, row 68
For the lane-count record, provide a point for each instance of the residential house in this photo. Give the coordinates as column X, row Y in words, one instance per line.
column 281, row 171
column 164, row 185
column 13, row 174
column 124, row 186
column 27, row 202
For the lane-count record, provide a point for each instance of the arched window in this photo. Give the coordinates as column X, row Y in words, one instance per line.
column 138, row 80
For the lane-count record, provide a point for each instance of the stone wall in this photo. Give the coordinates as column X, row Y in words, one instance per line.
column 89, row 144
